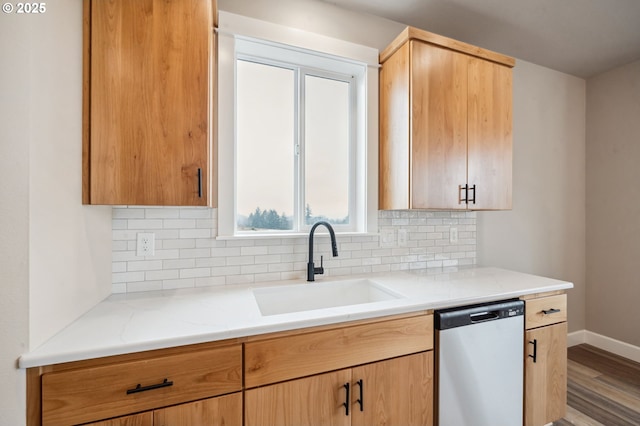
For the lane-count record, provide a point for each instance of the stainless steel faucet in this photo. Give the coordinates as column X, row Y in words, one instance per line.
column 311, row 269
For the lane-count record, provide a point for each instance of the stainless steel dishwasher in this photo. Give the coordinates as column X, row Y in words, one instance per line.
column 479, row 364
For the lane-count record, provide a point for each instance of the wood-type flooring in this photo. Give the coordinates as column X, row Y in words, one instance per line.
column 603, row 389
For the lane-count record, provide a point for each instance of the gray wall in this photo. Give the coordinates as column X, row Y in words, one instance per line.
column 613, row 203
column 544, row 234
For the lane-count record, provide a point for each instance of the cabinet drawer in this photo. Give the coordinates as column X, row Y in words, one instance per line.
column 94, row 393
column 545, row 311
column 302, row 355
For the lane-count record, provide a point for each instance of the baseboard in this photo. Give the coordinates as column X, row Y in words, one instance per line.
column 576, row 338
column 605, row 343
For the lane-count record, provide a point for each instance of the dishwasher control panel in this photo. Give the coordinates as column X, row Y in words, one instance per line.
column 474, row 314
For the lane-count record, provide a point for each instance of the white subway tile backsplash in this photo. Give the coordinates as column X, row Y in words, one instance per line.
column 253, row 269
column 195, row 213
column 211, row 262
column 165, row 213
column 147, row 224
column 179, row 283
column 210, row 281
column 252, row 251
column 144, row 265
column 270, row 277
column 189, row 255
column 119, row 267
column 147, row 285
column 195, row 273
column 240, row 260
column 194, row 253
column 179, row 264
column 166, row 274
column 125, row 277
column 179, row 224
column 178, row 244
column 126, row 213
column 195, row 233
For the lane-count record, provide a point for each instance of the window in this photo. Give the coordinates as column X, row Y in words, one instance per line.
column 296, row 144
column 297, row 131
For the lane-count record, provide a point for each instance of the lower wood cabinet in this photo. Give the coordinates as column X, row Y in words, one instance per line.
column 315, row 400
column 546, row 375
column 395, row 392
column 221, row 411
column 366, row 373
column 142, row 419
column 173, row 386
column 398, row 391
column 545, row 372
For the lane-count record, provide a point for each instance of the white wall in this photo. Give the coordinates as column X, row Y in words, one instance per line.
column 70, row 244
column 14, row 215
column 544, row 234
column 319, row 17
column 54, row 253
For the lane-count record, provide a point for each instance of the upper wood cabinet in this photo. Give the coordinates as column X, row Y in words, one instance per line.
column 148, row 81
column 445, row 125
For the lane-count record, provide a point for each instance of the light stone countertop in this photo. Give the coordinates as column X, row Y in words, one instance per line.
column 126, row 323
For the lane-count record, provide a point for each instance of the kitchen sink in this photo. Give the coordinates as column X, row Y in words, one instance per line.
column 320, row 295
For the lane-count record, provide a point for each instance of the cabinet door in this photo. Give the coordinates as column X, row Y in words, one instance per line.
column 489, row 135
column 394, row 392
column 221, row 411
column 142, row 419
column 394, row 157
column 149, row 102
column 439, row 126
column 546, row 377
column 313, row 401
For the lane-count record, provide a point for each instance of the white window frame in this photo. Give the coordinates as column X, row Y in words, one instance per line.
column 305, row 64
column 261, row 40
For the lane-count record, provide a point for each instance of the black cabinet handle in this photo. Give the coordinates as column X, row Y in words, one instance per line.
column 199, row 183
column 534, row 342
column 360, row 400
column 140, row 388
column 466, row 194
column 550, row 311
column 347, row 400
column 473, row 188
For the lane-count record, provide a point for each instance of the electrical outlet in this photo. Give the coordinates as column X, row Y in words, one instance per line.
column 453, row 235
column 146, row 244
column 402, row 237
column 386, row 237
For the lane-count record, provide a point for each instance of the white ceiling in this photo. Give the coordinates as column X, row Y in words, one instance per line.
column 579, row 37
